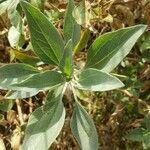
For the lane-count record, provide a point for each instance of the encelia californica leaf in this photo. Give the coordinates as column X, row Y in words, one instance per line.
column 96, row 80
column 45, row 80
column 71, row 29
column 83, row 129
column 46, row 41
column 108, row 50
column 44, row 125
column 15, row 73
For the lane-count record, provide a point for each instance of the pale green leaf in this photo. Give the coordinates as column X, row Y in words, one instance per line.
column 108, row 50
column 45, row 39
column 66, row 63
column 96, row 80
column 136, row 135
column 8, row 5
column 82, row 14
column 44, row 125
column 16, row 21
column 15, row 73
column 21, row 94
column 54, row 94
column 13, row 36
column 71, row 29
column 45, row 80
column 3, row 7
column 146, row 141
column 12, row 5
column 84, row 129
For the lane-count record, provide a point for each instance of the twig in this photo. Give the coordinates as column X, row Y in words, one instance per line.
column 20, row 115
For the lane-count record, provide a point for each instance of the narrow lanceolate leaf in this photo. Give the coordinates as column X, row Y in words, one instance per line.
column 45, row 39
column 83, row 129
column 96, row 80
column 44, row 125
column 71, row 29
column 15, row 73
column 108, row 50
column 45, row 80
column 83, row 41
column 66, row 64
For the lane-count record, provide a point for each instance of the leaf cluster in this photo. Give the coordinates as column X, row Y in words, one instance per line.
column 24, row 80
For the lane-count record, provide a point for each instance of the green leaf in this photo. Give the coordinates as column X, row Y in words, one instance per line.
column 146, row 140
column 15, row 73
column 21, row 94
column 8, row 5
column 146, row 42
column 108, row 50
column 44, row 125
column 83, row 129
column 83, row 41
column 24, row 58
column 96, row 80
column 45, row 39
column 16, row 21
column 71, row 29
column 66, row 64
column 45, row 80
column 6, row 105
column 54, row 94
column 144, row 46
column 136, row 135
column 147, row 121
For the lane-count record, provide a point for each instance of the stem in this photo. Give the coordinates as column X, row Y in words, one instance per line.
column 20, row 115
column 74, row 95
